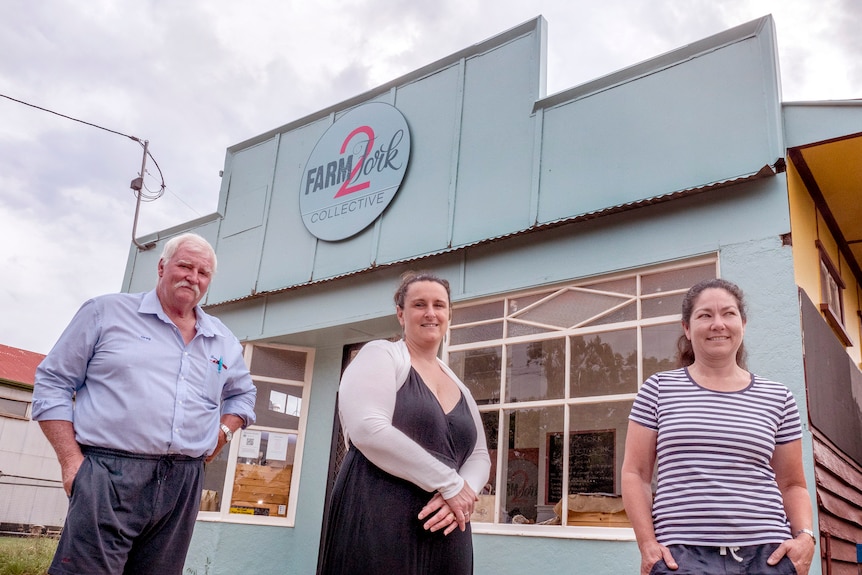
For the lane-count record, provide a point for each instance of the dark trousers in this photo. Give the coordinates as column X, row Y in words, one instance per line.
column 129, row 514
column 703, row 560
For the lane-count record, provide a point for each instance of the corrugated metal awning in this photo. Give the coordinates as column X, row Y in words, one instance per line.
column 764, row 172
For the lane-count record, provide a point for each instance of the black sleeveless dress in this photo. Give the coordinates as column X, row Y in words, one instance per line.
column 373, row 527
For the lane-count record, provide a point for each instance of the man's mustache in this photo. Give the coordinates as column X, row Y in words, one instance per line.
column 184, row 283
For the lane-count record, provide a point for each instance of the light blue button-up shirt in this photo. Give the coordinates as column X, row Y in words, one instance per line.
column 136, row 385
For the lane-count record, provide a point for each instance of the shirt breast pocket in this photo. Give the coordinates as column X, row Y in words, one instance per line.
column 206, row 381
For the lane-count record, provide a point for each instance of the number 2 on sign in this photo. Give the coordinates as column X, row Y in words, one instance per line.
column 345, row 187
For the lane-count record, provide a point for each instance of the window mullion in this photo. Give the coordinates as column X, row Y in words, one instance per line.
column 501, row 453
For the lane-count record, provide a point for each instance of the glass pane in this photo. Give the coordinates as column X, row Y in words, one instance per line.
column 214, row 477
column 522, row 301
column 831, row 292
column 596, row 453
column 480, row 370
column 676, row 279
column 659, row 347
column 536, row 370
column 525, row 464
column 517, row 328
column 591, row 462
column 264, row 468
column 479, row 312
column 484, row 332
column 625, row 313
column 604, row 363
column 281, row 402
column 278, row 405
column 624, row 285
column 484, row 511
column 13, row 407
column 596, row 443
column 664, row 305
column 570, row 308
column 277, row 362
column 824, row 277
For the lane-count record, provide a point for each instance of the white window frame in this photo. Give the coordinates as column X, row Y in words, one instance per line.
column 13, row 401
column 223, row 515
column 832, row 295
column 567, row 531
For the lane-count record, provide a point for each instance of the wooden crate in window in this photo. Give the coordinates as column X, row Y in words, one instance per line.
column 261, row 489
column 595, row 510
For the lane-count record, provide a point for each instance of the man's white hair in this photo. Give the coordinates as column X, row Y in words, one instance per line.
column 194, row 239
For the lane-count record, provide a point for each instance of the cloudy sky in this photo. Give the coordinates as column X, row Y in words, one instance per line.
column 193, row 77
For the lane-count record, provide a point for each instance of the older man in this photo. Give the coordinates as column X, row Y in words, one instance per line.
column 139, row 390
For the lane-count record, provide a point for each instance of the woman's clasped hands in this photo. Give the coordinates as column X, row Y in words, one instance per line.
column 447, row 514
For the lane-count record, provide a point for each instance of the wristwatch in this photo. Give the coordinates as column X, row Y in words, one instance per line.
column 228, row 434
column 807, row 532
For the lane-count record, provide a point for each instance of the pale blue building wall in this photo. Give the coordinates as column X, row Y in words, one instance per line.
column 614, row 162
column 806, row 122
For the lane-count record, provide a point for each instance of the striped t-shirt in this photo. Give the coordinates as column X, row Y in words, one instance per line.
column 714, row 482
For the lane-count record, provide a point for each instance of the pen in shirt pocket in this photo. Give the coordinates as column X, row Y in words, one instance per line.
column 219, row 363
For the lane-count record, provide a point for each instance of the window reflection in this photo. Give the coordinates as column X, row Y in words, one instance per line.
column 263, row 472
column 484, row 331
column 479, row 369
column 605, row 363
column 657, row 354
column 536, row 370
column 278, row 362
column 664, row 305
column 277, row 405
column 556, row 411
column 570, row 308
column 524, row 463
column 251, row 479
column 284, row 403
column 596, row 446
column 214, row 477
column 485, row 510
column 676, row 279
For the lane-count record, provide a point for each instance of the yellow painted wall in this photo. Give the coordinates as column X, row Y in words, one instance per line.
column 803, row 225
column 807, row 226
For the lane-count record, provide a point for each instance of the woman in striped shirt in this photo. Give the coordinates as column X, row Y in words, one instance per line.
column 730, row 493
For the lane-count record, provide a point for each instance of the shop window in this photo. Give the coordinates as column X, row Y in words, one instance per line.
column 256, row 480
column 13, row 408
column 832, row 295
column 555, row 372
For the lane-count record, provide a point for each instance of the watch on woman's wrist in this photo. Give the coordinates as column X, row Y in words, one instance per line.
column 807, row 532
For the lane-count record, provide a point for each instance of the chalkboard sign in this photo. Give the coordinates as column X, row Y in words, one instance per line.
column 592, row 463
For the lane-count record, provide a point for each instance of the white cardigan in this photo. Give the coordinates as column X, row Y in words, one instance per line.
column 366, row 404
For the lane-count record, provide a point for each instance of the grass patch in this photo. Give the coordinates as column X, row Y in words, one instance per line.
column 26, row 555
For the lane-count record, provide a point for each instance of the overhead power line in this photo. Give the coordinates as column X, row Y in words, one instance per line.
column 150, row 195
column 71, row 118
column 137, row 184
column 153, row 195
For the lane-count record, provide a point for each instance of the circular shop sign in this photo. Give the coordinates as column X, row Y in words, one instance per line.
column 354, row 171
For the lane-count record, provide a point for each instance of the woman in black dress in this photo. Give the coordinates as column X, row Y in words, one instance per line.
column 417, row 454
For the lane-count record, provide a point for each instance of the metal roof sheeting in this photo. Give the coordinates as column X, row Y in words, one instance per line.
column 18, row 366
column 764, row 172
